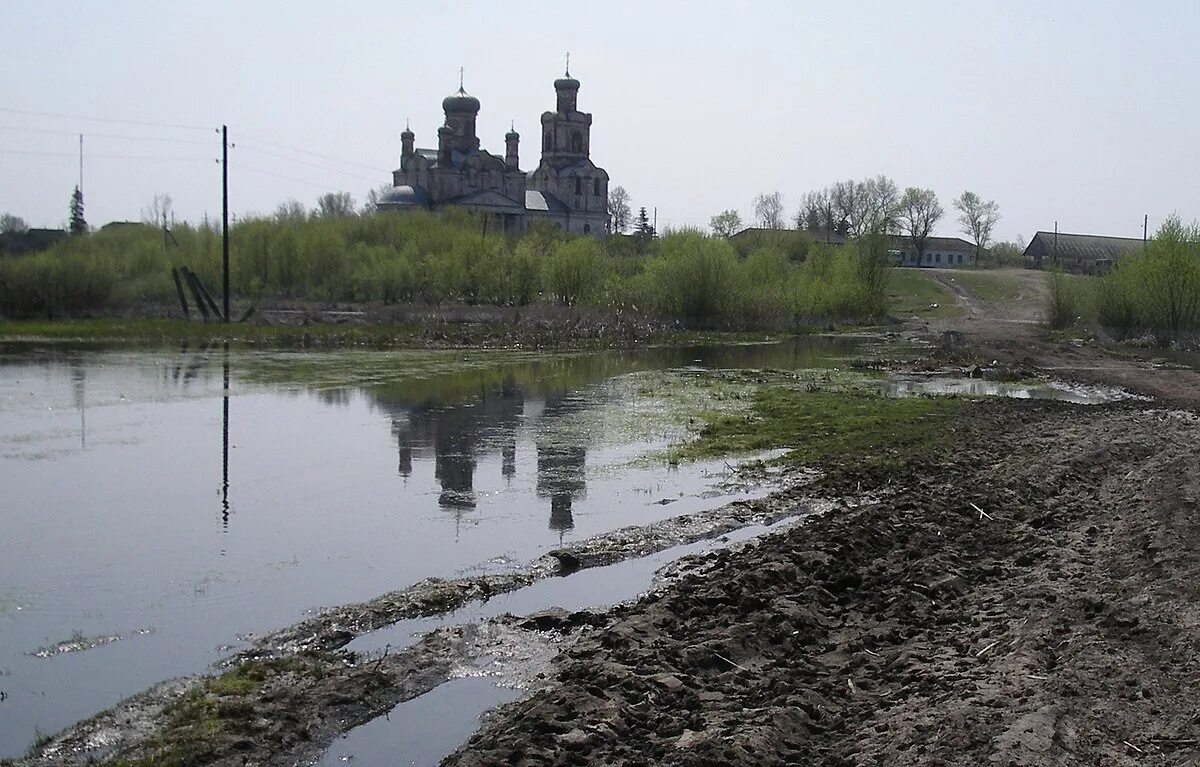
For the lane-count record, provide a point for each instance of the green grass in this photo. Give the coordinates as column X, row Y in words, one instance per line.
column 912, row 292
column 206, row 722
column 991, row 287
column 815, row 425
column 143, row 332
column 156, row 332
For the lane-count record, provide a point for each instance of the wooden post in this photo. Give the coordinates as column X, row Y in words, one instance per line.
column 179, row 289
column 212, row 304
column 192, row 284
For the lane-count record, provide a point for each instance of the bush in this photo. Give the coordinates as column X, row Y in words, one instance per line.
column 575, row 272
column 693, row 277
column 1062, row 300
column 1157, row 290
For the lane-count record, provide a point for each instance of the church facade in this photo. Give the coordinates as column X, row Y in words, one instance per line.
column 566, row 190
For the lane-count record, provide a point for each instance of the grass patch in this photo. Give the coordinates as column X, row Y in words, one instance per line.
column 914, row 293
column 148, row 332
column 159, row 332
column 992, row 287
column 814, row 425
column 210, row 721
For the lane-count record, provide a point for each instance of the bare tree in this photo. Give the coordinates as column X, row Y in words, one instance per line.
column 291, row 210
column 618, row 209
column 10, row 224
column 726, row 223
column 847, row 201
column 374, row 196
column 159, row 211
column 919, row 211
column 977, row 217
column 880, row 203
column 768, row 210
column 334, row 205
column 816, row 212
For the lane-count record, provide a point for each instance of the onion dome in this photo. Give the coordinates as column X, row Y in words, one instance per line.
column 460, row 101
column 566, row 82
column 404, row 197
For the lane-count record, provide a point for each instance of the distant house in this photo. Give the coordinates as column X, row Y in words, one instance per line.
column 939, row 251
column 1078, row 253
column 29, row 241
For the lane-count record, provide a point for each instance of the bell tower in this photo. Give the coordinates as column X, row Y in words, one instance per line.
column 566, row 132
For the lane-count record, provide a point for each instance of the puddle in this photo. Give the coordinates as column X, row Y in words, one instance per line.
column 592, row 589
column 459, row 703
column 422, row 731
column 912, row 386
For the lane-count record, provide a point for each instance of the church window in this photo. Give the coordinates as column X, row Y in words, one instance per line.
column 546, row 144
column 578, row 185
column 587, row 228
column 576, row 142
column 596, row 187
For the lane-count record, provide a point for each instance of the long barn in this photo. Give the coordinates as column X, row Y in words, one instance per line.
column 1078, row 253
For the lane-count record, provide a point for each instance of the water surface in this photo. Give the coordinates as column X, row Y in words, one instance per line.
column 163, row 504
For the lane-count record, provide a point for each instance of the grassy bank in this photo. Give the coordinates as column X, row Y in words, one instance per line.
column 817, row 425
column 913, row 293
column 535, row 335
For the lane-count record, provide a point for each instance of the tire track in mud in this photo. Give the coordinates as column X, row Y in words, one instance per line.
column 1057, row 626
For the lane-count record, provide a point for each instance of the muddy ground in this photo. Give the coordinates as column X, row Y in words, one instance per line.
column 1025, row 591
column 1021, row 591
column 1057, row 623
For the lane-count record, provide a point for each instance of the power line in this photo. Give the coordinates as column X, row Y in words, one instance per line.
column 242, row 166
column 116, row 136
column 91, row 156
column 144, row 123
column 244, row 137
column 313, row 164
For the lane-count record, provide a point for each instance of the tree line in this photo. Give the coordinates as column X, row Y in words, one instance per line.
column 333, row 254
column 855, row 209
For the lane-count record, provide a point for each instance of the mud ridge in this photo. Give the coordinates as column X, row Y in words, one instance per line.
column 335, row 627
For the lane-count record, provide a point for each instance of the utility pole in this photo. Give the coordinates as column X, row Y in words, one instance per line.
column 655, row 224
column 225, row 212
column 1145, row 229
column 81, row 163
column 1056, row 243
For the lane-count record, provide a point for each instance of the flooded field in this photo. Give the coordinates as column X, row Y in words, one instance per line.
column 161, row 507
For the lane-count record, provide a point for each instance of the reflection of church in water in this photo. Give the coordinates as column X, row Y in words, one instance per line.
column 458, row 436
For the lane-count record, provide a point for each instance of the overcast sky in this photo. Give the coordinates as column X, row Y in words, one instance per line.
column 1087, row 113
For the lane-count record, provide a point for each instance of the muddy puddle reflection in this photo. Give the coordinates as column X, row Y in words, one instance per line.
column 482, row 685
column 159, row 505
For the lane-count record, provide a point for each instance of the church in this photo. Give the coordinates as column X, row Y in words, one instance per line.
column 567, row 190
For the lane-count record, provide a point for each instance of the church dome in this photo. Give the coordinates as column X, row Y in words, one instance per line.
column 404, row 197
column 460, row 101
column 566, row 82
